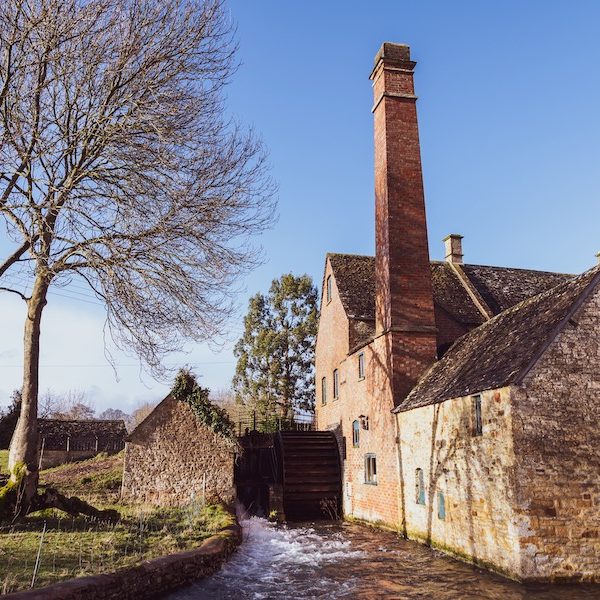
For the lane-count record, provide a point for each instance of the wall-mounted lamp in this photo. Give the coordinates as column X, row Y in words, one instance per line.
column 364, row 421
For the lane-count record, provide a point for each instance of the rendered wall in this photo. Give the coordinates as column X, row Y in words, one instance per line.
column 474, row 473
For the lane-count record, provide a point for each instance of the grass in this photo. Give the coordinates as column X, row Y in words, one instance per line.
column 4, row 461
column 74, row 547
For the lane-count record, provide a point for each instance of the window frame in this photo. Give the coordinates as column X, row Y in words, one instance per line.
column 336, row 384
column 420, row 496
column 370, row 469
column 361, row 366
column 441, row 500
column 477, row 415
column 328, row 289
column 323, row 391
column 355, row 434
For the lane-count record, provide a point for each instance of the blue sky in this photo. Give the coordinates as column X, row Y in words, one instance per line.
column 510, row 139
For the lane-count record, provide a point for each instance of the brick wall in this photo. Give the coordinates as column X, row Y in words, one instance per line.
column 171, row 459
column 370, row 397
column 557, row 442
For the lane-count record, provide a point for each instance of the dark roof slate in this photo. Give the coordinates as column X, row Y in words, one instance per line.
column 499, row 287
column 355, row 279
column 451, row 295
column 502, row 350
column 56, row 431
column 502, row 287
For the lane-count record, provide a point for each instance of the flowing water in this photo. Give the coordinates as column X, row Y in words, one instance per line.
column 344, row 560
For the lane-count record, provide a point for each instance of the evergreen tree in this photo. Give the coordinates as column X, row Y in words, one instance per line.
column 8, row 420
column 275, row 368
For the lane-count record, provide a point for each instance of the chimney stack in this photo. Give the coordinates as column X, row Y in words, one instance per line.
column 453, row 244
column 404, row 299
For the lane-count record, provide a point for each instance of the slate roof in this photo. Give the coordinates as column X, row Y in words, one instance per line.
column 502, row 350
column 499, row 287
column 56, row 431
column 355, row 279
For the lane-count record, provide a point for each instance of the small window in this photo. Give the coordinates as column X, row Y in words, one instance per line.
column 477, row 418
column 336, row 385
column 370, row 469
column 441, row 506
column 355, row 434
column 324, row 390
column 361, row 365
column 344, row 451
column 420, row 487
column 328, row 284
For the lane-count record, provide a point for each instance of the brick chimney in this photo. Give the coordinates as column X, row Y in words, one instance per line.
column 404, row 299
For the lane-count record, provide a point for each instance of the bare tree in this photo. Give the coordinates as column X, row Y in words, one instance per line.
column 139, row 414
column 117, row 167
column 72, row 404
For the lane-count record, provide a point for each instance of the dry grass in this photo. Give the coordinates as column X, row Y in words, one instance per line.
column 73, row 547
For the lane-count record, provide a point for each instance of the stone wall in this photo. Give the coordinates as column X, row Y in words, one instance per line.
column 475, row 474
column 151, row 579
column 172, row 459
column 557, row 443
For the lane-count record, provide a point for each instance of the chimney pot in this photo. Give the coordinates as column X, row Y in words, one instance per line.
column 598, row 257
column 454, row 253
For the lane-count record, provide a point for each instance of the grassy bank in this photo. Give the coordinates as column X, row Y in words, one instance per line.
column 74, row 547
column 3, row 461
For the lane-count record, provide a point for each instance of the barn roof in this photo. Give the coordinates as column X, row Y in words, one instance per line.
column 56, row 428
column 502, row 350
column 496, row 288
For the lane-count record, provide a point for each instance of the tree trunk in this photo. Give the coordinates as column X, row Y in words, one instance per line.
column 24, row 447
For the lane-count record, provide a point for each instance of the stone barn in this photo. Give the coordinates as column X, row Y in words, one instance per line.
column 69, row 441
column 172, row 459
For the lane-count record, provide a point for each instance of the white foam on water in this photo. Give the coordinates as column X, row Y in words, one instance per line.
column 275, row 561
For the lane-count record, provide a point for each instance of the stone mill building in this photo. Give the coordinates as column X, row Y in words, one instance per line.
column 465, row 398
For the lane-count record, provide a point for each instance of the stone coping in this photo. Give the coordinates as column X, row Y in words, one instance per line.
column 150, row 579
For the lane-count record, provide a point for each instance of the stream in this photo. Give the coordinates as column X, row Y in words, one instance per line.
column 345, row 560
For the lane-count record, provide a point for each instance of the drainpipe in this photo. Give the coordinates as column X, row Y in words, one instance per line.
column 401, row 502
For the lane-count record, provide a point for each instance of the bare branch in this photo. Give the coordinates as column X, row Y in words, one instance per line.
column 21, row 295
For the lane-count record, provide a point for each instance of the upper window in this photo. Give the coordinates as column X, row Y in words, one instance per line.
column 361, row 365
column 370, row 469
column 336, row 385
column 420, row 487
column 328, row 290
column 324, row 391
column 355, row 434
column 477, row 418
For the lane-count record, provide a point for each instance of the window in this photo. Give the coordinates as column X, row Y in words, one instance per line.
column 344, row 452
column 420, row 487
column 356, row 434
column 324, row 391
column 370, row 469
column 336, row 385
column 328, row 292
column 361, row 365
column 441, row 506
column 477, row 418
